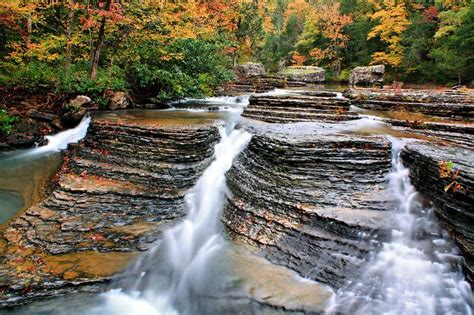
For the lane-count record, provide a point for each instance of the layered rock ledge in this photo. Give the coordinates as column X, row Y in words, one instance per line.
column 310, row 106
column 251, row 78
column 308, row 200
column 303, row 75
column 444, row 115
column 452, row 104
column 115, row 193
column 454, row 207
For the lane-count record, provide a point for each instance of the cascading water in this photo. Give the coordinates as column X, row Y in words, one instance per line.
column 60, row 140
column 418, row 272
column 177, row 271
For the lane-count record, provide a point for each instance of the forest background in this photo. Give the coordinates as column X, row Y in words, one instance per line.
column 172, row 49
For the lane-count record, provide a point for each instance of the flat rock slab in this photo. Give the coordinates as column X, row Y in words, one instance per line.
column 452, row 104
column 296, row 107
column 276, row 286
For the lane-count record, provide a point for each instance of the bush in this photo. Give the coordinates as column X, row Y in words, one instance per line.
column 6, row 122
column 187, row 67
column 344, row 75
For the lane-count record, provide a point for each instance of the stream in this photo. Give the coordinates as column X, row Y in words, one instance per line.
column 195, row 269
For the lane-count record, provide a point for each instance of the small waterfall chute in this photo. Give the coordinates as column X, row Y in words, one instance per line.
column 417, row 271
column 179, row 268
column 61, row 140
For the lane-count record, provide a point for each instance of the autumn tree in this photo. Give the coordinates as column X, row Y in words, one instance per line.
column 323, row 37
column 392, row 21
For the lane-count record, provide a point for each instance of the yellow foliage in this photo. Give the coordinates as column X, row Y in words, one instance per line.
column 392, row 19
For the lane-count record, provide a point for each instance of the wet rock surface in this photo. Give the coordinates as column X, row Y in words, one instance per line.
column 289, row 193
column 452, row 104
column 114, row 194
column 441, row 115
column 308, row 200
column 454, row 207
column 288, row 108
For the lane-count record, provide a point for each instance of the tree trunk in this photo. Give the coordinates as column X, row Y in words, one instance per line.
column 29, row 29
column 234, row 59
column 100, row 41
column 70, row 20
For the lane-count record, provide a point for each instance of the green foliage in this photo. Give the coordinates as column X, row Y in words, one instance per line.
column 6, row 122
column 197, row 70
column 454, row 52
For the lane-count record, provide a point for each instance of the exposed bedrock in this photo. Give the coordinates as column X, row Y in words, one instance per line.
column 367, row 76
column 454, row 207
column 311, row 202
column 460, row 134
column 115, row 193
column 303, row 75
column 453, row 104
column 245, row 85
column 315, row 106
column 251, row 78
column 444, row 115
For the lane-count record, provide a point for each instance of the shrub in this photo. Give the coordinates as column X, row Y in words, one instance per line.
column 6, row 122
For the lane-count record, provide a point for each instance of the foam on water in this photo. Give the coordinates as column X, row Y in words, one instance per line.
column 241, row 100
column 418, row 271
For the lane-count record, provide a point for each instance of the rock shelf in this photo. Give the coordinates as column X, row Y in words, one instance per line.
column 114, row 195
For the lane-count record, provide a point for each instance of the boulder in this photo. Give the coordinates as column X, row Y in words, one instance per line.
column 72, row 118
column 118, row 100
column 371, row 75
column 305, row 74
column 250, row 70
column 79, row 101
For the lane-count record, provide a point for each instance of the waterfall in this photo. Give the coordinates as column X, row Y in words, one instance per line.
column 61, row 140
column 178, row 269
column 418, row 271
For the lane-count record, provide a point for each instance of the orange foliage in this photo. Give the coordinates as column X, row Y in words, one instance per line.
column 297, row 59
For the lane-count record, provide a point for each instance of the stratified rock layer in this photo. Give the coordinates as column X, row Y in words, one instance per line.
column 303, row 75
column 309, row 201
column 447, row 104
column 371, row 75
column 251, row 78
column 287, row 108
column 454, row 208
column 115, row 193
column 446, row 115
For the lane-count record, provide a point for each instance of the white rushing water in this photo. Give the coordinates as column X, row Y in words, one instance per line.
column 61, row 140
column 177, row 269
column 418, row 271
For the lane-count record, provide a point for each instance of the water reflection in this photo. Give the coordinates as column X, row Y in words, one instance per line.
column 22, row 178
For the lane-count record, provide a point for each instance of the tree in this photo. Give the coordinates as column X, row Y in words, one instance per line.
column 323, row 37
column 455, row 41
column 95, row 56
column 392, row 19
